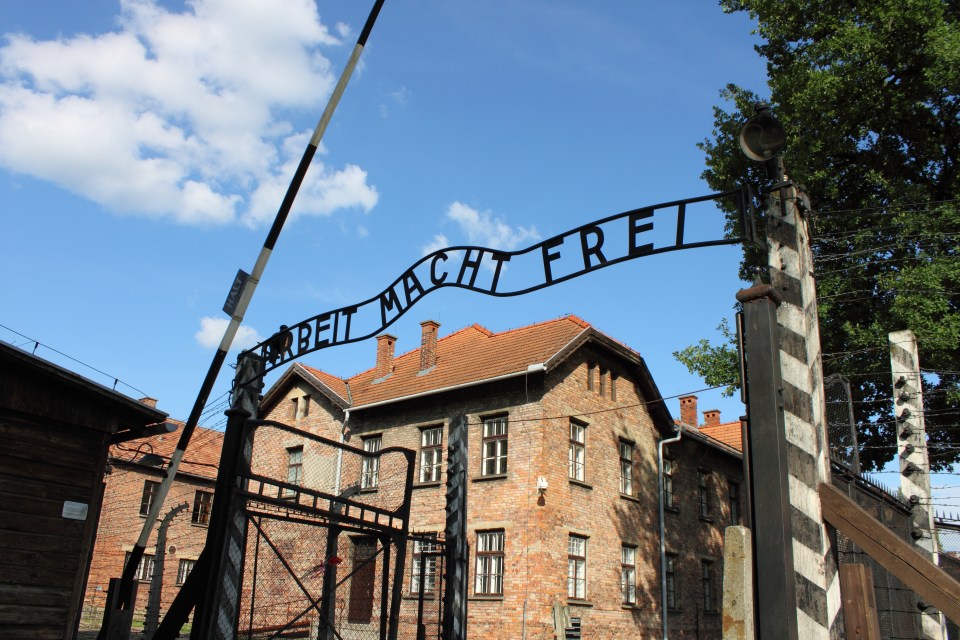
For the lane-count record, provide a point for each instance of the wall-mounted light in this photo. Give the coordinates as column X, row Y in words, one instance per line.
column 542, row 485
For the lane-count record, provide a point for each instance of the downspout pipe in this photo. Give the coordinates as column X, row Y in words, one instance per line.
column 663, row 542
column 341, row 438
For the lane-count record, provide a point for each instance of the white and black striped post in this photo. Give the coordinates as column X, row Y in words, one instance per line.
column 808, row 455
column 237, row 303
column 796, row 460
column 914, row 456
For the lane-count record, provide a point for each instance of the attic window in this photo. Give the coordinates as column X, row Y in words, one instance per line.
column 301, row 407
column 590, row 368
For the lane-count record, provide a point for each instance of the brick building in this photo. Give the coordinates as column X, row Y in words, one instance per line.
column 563, row 511
column 133, row 475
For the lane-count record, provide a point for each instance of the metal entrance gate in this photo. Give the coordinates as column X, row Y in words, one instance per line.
column 328, row 547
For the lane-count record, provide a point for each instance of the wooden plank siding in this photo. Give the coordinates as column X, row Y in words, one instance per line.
column 42, row 550
column 55, row 432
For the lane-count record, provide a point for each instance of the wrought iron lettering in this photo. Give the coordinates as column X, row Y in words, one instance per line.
column 592, row 246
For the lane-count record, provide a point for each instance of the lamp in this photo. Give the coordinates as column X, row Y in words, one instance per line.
column 149, row 459
column 762, row 137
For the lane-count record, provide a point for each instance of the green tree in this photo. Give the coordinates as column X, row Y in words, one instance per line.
column 869, row 94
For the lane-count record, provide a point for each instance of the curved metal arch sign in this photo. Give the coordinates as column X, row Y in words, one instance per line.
column 595, row 245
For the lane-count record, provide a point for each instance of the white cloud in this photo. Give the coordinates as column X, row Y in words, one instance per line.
column 439, row 242
column 177, row 115
column 212, row 329
column 482, row 228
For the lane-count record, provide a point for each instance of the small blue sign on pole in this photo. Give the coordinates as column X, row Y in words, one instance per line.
column 236, row 289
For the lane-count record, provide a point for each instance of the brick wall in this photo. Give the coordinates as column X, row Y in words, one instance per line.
column 692, row 539
column 120, row 524
column 539, row 409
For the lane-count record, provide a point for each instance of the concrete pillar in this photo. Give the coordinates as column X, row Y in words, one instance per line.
column 913, row 455
column 791, row 275
column 737, row 584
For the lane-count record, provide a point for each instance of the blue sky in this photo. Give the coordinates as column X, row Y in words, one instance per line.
column 145, row 146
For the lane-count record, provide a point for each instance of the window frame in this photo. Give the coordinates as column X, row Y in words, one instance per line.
column 626, row 466
column 668, row 477
column 576, row 568
column 628, row 574
column 145, row 569
column 419, row 549
column 202, row 507
column 181, row 576
column 703, row 493
column 490, row 562
column 370, row 464
column 577, row 453
column 706, row 585
column 435, row 451
column 670, row 571
column 733, row 500
column 149, row 494
column 494, row 446
column 294, row 470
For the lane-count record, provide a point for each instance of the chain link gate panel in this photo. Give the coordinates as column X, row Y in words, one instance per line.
column 327, row 543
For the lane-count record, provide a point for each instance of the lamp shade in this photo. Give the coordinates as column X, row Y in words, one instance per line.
column 762, row 137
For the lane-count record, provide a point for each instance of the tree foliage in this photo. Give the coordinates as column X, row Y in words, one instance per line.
column 869, row 93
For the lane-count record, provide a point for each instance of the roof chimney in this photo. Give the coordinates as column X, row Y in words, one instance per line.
column 428, row 344
column 688, row 411
column 385, row 346
column 150, row 402
column 711, row 417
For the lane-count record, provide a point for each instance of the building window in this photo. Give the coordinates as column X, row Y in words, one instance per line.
column 577, row 567
column 294, row 470
column 425, row 554
column 734, row 497
column 603, row 382
column 370, row 470
column 150, row 489
column 668, row 569
column 706, row 580
column 668, row 484
column 489, row 571
column 184, row 569
column 703, row 493
column 626, row 468
column 301, row 407
column 578, row 433
column 144, row 569
column 590, row 369
column 628, row 574
column 202, row 503
column 613, row 387
column 494, row 460
column 431, row 454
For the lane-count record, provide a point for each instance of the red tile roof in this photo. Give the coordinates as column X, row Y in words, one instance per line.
column 468, row 356
column 727, row 433
column 201, row 457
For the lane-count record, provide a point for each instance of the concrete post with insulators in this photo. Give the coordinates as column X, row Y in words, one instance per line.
column 913, row 456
